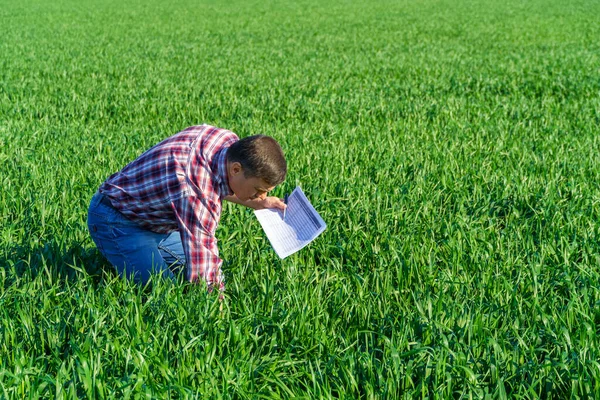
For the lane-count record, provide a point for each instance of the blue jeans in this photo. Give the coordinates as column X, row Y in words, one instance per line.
column 135, row 252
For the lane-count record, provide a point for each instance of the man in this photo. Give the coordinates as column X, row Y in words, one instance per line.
column 159, row 213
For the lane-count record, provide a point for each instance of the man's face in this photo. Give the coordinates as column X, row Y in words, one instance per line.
column 246, row 188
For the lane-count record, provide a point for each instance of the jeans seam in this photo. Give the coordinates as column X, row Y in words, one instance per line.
column 125, row 267
column 175, row 256
column 103, row 212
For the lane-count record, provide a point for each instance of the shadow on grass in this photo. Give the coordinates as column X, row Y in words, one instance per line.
column 64, row 262
column 57, row 259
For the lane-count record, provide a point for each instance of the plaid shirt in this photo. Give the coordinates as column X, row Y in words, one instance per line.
column 179, row 184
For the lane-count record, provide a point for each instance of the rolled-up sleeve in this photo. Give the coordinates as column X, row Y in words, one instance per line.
column 196, row 226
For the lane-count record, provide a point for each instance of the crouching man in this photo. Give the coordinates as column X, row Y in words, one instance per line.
column 159, row 213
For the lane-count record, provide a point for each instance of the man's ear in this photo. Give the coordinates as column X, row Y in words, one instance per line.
column 235, row 168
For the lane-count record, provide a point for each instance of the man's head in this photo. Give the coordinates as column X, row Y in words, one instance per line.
column 255, row 165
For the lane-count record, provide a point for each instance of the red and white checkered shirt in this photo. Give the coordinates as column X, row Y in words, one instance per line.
column 179, row 184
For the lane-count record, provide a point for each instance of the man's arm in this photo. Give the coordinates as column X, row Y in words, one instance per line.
column 258, row 204
column 196, row 227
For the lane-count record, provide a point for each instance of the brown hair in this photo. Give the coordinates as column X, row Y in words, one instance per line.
column 260, row 157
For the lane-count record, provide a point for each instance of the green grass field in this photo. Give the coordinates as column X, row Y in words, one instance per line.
column 450, row 145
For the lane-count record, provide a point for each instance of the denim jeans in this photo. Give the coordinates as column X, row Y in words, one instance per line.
column 135, row 252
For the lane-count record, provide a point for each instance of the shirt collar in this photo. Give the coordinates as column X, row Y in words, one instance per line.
column 220, row 168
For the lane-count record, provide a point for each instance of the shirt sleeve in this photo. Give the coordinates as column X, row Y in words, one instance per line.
column 196, row 226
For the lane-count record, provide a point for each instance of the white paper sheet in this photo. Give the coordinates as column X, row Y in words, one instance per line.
column 301, row 226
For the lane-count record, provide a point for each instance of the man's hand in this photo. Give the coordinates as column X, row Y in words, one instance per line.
column 259, row 204
column 267, row 202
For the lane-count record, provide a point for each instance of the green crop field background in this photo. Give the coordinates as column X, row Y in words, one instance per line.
column 452, row 147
